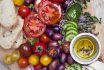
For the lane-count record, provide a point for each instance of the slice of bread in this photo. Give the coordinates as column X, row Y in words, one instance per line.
column 8, row 15
column 7, row 38
column 18, row 41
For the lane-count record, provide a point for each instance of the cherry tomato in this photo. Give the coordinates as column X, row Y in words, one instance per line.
column 45, row 60
column 38, row 67
column 39, row 48
column 49, row 12
column 34, row 59
column 33, row 27
column 45, row 39
column 25, row 49
column 8, row 59
column 24, row 11
column 18, row 2
column 58, row 1
column 23, row 62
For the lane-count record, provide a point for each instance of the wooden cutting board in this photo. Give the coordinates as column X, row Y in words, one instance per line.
column 99, row 28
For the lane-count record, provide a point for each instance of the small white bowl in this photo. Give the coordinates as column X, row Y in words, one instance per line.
column 94, row 58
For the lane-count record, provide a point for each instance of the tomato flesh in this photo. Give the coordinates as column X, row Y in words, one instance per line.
column 49, row 12
column 33, row 27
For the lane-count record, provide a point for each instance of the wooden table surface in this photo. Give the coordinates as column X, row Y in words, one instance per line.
column 99, row 28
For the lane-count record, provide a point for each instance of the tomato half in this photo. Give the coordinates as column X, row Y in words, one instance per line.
column 33, row 27
column 39, row 48
column 49, row 13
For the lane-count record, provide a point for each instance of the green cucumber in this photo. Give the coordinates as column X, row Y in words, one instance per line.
column 70, row 68
column 71, row 32
column 77, row 66
column 71, row 28
column 69, row 37
column 69, row 24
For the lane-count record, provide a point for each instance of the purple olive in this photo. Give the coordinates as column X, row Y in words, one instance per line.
column 63, row 58
column 70, row 59
column 54, row 65
column 49, row 32
column 66, row 4
column 58, row 49
column 27, row 2
column 61, row 67
column 45, row 68
column 57, row 36
column 56, row 29
column 53, row 44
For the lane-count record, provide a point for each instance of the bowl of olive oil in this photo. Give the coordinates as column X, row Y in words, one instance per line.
column 85, row 48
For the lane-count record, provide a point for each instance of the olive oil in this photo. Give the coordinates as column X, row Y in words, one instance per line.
column 85, row 48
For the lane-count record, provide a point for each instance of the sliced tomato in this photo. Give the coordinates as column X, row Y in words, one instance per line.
column 49, row 13
column 33, row 27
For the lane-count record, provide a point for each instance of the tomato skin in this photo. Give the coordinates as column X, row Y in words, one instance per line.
column 24, row 11
column 18, row 2
column 58, row 1
column 38, row 67
column 34, row 59
column 45, row 60
column 23, row 62
column 39, row 48
column 49, row 13
column 44, row 39
column 33, row 27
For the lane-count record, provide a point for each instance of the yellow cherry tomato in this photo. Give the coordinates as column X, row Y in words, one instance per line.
column 45, row 60
column 8, row 59
column 15, row 55
column 34, row 59
column 18, row 2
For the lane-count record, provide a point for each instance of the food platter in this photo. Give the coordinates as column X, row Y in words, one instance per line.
column 98, row 28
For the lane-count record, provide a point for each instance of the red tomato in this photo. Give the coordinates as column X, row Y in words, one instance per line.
column 49, row 13
column 39, row 48
column 33, row 27
column 59, row 1
column 38, row 67
column 45, row 39
column 23, row 62
column 24, row 11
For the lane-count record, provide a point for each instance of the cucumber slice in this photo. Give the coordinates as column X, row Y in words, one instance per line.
column 71, row 28
column 71, row 32
column 70, row 68
column 69, row 37
column 67, row 25
column 77, row 66
column 71, row 22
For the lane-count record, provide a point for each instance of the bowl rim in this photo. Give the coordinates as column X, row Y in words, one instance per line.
column 73, row 41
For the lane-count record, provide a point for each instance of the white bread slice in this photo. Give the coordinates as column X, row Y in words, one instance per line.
column 18, row 41
column 8, row 15
column 7, row 38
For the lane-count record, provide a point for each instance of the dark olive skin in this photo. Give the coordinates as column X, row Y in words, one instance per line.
column 61, row 67
column 57, row 36
column 65, row 47
column 54, row 65
column 63, row 58
column 53, row 44
column 70, row 60
column 25, row 50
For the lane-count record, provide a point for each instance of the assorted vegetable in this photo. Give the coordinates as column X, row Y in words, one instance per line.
column 49, row 27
